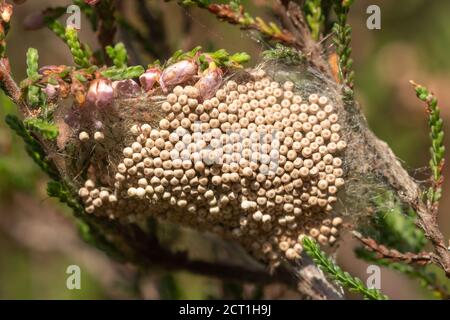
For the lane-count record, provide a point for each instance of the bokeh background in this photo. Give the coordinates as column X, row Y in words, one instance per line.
column 38, row 237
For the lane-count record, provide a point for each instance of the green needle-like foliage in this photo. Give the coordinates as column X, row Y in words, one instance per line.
column 391, row 226
column 46, row 129
column 123, row 73
column 118, row 55
column 33, row 92
column 337, row 274
column 80, row 55
column 32, row 147
column 437, row 149
column 314, row 17
column 57, row 27
column 342, row 39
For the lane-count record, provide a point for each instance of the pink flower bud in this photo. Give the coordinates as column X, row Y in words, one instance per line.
column 209, row 83
column 177, row 73
column 52, row 92
column 34, row 21
column 149, row 78
column 6, row 11
column 126, row 88
column 100, row 93
column 91, row 2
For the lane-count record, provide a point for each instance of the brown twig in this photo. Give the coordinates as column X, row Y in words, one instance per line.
column 428, row 223
column 154, row 23
column 293, row 17
column 239, row 17
column 7, row 82
column 382, row 252
column 144, row 249
column 187, row 25
column 106, row 26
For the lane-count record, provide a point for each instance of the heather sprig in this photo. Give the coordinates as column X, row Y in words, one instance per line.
column 123, row 73
column 33, row 148
column 437, row 149
column 314, row 17
column 118, row 55
column 56, row 26
column 33, row 91
column 337, row 274
column 46, row 129
column 80, row 54
column 342, row 39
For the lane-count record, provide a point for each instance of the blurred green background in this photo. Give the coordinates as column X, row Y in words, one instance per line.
column 38, row 239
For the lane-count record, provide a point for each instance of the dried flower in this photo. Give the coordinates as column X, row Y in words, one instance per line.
column 149, row 78
column 209, row 82
column 6, row 11
column 178, row 73
column 52, row 92
column 100, row 93
column 91, row 2
column 126, row 88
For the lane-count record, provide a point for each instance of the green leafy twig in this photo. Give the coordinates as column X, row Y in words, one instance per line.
column 33, row 92
column 123, row 73
column 314, row 17
column 337, row 274
column 33, row 148
column 118, row 55
column 234, row 13
column 437, row 149
column 342, row 39
column 48, row 130
column 220, row 57
column 57, row 27
column 394, row 226
column 80, row 55
column 80, row 52
column 223, row 59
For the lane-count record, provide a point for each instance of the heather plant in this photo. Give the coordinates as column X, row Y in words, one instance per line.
column 275, row 161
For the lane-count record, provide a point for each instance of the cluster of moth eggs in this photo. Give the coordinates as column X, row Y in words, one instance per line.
column 255, row 162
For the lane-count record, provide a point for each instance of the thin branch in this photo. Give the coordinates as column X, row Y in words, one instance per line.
column 428, row 223
column 148, row 252
column 7, row 82
column 427, row 213
column 240, row 17
column 187, row 25
column 156, row 30
column 133, row 32
column 421, row 258
column 428, row 280
column 106, row 25
column 304, row 41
